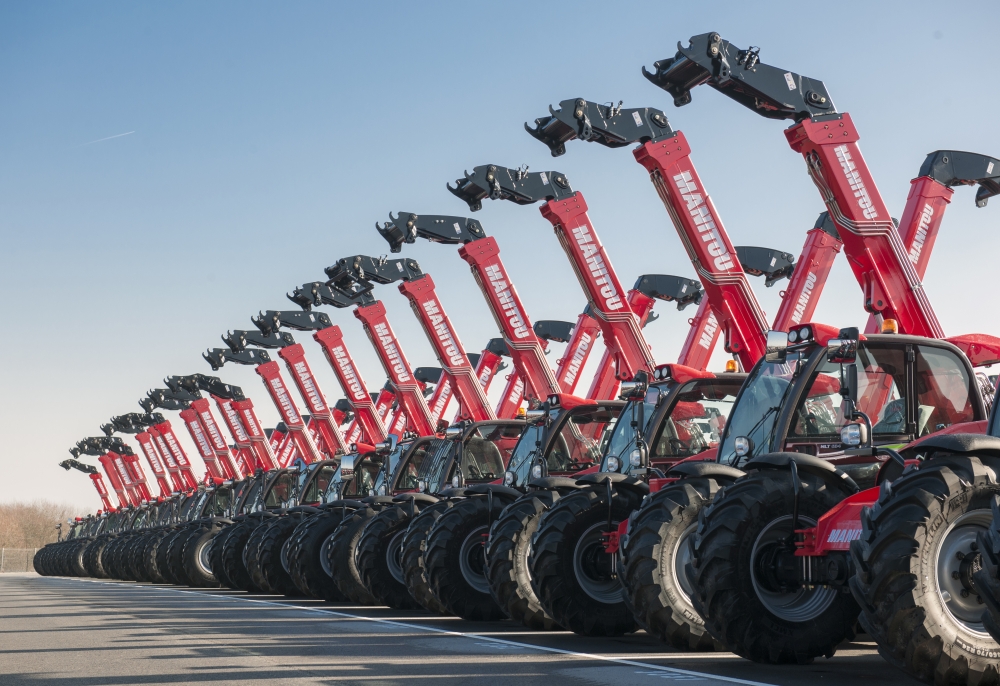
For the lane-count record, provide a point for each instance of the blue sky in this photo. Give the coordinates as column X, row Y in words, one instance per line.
column 264, row 141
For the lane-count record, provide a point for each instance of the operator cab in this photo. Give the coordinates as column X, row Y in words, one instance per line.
column 682, row 414
column 908, row 386
column 470, row 453
column 567, row 436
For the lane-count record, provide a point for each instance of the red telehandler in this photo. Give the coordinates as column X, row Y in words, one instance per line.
column 783, row 597
column 95, row 477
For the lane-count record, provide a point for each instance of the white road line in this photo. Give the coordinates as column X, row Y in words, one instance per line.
column 434, row 630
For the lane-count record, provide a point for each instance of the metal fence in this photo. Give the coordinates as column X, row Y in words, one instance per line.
column 17, row 559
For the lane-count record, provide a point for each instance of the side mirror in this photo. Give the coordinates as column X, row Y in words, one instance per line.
column 776, row 346
column 849, row 382
column 347, row 465
column 842, row 351
column 454, row 432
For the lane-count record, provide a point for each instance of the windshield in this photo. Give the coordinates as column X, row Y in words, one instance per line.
column 316, row 488
column 622, row 439
column 418, row 463
column 696, row 421
column 221, row 500
column 281, row 490
column 362, row 482
column 524, row 452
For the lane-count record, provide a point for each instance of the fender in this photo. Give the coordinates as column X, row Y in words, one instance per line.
column 334, row 504
column 714, row 469
column 806, row 463
column 623, row 481
column 415, row 497
column 498, row 491
column 555, row 483
column 378, row 500
column 308, row 509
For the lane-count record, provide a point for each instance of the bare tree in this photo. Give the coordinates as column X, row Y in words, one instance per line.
column 31, row 525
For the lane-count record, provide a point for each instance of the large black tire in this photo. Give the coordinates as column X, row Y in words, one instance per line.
column 251, row 554
column 455, row 558
column 232, row 555
column 572, row 576
column 912, row 563
column 163, row 556
column 74, row 554
column 655, row 552
column 109, row 558
column 507, row 560
column 136, row 561
column 342, row 556
column 412, row 557
column 149, row 557
column 761, row 625
column 195, row 557
column 92, row 558
column 988, row 578
column 307, row 555
column 175, row 555
column 215, row 555
column 272, row 555
column 380, row 556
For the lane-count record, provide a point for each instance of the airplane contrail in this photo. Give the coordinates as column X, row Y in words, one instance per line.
column 118, row 135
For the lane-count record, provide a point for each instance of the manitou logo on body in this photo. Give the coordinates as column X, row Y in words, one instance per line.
column 843, row 535
column 392, row 353
column 350, row 377
column 309, row 386
column 704, row 221
column 234, row 421
column 577, row 361
column 855, row 181
column 921, row 236
column 804, row 296
column 508, row 305
column 213, row 431
column 284, row 402
column 452, row 352
column 708, row 333
column 598, row 269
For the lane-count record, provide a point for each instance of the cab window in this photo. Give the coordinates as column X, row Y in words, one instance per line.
column 944, row 390
column 696, row 422
column 319, row 483
column 281, row 491
column 416, row 460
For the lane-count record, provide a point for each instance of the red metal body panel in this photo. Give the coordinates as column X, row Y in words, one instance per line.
column 259, row 445
column 604, row 385
column 837, row 527
column 102, row 491
column 286, row 451
column 190, row 417
column 510, row 399
column 702, row 337
column 578, row 349
column 167, row 459
column 799, row 299
column 245, row 459
column 329, row 428
column 604, row 291
column 712, row 254
column 871, row 242
column 270, row 372
column 171, row 447
column 408, row 394
column 450, row 354
column 527, row 352
column 371, row 426
column 138, row 476
column 156, row 463
column 921, row 219
column 399, row 422
column 115, row 479
column 440, row 397
column 213, row 434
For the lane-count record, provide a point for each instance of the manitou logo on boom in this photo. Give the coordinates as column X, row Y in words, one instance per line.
column 704, row 221
column 175, row 449
column 442, row 400
column 804, row 296
column 708, row 333
column 284, row 402
column 452, row 351
column 309, row 386
column 577, row 361
column 250, row 423
column 199, row 437
column 598, row 269
column 349, row 376
column 392, row 353
column 856, row 183
column 508, row 305
column 234, row 421
column 165, row 451
column 921, row 235
column 213, row 431
column 154, row 461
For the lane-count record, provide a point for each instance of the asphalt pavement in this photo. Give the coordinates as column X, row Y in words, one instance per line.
column 78, row 632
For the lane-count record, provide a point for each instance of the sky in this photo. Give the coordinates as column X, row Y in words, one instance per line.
column 167, row 170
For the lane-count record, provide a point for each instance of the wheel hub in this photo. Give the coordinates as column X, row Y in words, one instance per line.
column 324, row 555
column 594, row 568
column 958, row 560
column 394, row 557
column 472, row 559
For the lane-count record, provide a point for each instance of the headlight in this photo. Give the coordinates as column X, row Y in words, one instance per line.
column 635, row 459
column 805, row 333
column 793, row 336
column 614, row 464
column 508, row 478
column 381, row 489
column 536, row 471
column 854, row 434
column 742, row 446
column 421, row 485
column 455, row 481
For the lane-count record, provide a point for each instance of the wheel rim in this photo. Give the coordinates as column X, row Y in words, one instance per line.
column 204, row 559
column 324, row 555
column 594, row 568
column 954, row 573
column 801, row 605
column 683, row 553
column 472, row 559
column 394, row 557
